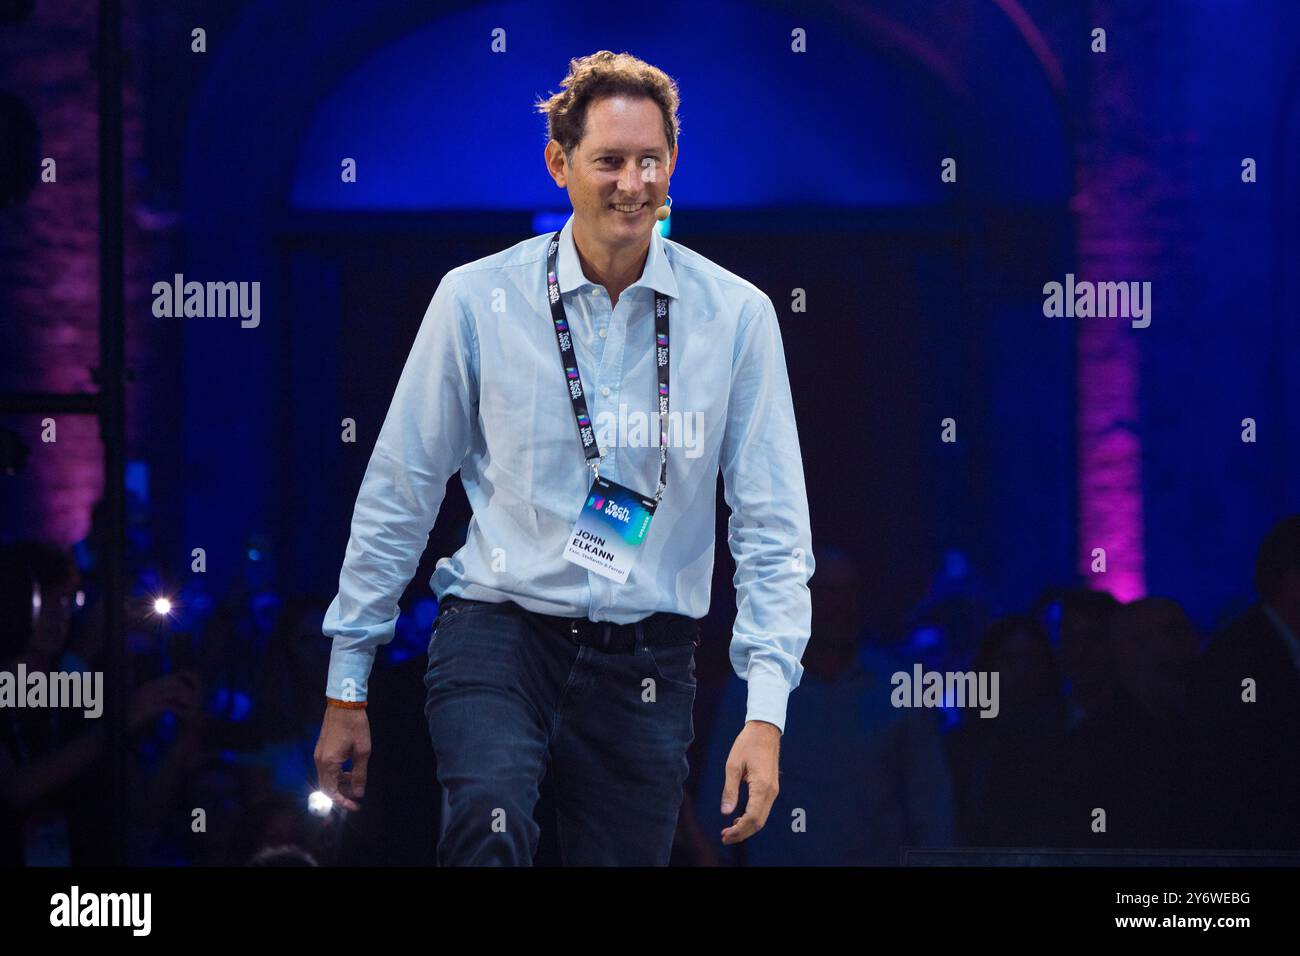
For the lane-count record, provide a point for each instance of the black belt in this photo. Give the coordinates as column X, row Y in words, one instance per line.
column 658, row 630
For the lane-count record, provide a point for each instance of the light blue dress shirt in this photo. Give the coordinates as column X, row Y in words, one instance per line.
column 483, row 392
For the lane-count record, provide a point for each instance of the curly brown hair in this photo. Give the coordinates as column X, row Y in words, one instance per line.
column 606, row 74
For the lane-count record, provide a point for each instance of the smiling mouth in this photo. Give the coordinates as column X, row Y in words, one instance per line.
column 628, row 209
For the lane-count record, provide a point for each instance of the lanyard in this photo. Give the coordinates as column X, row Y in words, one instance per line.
column 569, row 359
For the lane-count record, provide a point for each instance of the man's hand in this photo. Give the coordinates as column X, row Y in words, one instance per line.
column 344, row 733
column 754, row 758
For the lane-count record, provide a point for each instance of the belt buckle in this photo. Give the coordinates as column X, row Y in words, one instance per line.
column 605, row 632
column 576, row 635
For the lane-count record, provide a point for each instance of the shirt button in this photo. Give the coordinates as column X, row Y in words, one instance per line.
column 604, row 390
column 604, row 332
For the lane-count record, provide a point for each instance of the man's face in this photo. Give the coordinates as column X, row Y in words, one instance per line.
column 622, row 161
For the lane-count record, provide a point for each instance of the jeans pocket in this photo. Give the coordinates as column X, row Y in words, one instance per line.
column 450, row 609
column 454, row 606
column 674, row 665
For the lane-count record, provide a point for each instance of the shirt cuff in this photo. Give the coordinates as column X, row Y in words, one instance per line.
column 348, row 673
column 768, row 693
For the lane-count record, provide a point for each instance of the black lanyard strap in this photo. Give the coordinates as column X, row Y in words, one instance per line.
column 573, row 378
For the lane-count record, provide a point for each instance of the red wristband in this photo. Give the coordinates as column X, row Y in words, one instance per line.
column 346, row 704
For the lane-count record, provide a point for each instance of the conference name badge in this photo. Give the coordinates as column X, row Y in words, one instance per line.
column 607, row 536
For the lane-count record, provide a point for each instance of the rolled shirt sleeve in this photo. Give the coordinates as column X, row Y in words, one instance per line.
column 768, row 529
column 423, row 442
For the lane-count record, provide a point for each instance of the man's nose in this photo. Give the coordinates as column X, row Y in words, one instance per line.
column 630, row 180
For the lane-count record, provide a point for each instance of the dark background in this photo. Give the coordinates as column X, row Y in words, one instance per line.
column 817, row 171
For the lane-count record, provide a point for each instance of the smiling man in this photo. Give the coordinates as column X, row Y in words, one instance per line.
column 565, row 643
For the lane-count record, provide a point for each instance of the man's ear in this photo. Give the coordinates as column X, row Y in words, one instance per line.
column 555, row 163
column 672, row 161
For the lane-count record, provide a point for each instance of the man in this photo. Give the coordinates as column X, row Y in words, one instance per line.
column 565, row 642
column 1248, row 701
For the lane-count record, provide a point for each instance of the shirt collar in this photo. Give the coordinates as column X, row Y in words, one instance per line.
column 657, row 274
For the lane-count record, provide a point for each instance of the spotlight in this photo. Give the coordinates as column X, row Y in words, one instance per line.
column 319, row 804
column 162, row 606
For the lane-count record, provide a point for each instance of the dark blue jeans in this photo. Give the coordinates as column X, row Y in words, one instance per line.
column 512, row 699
